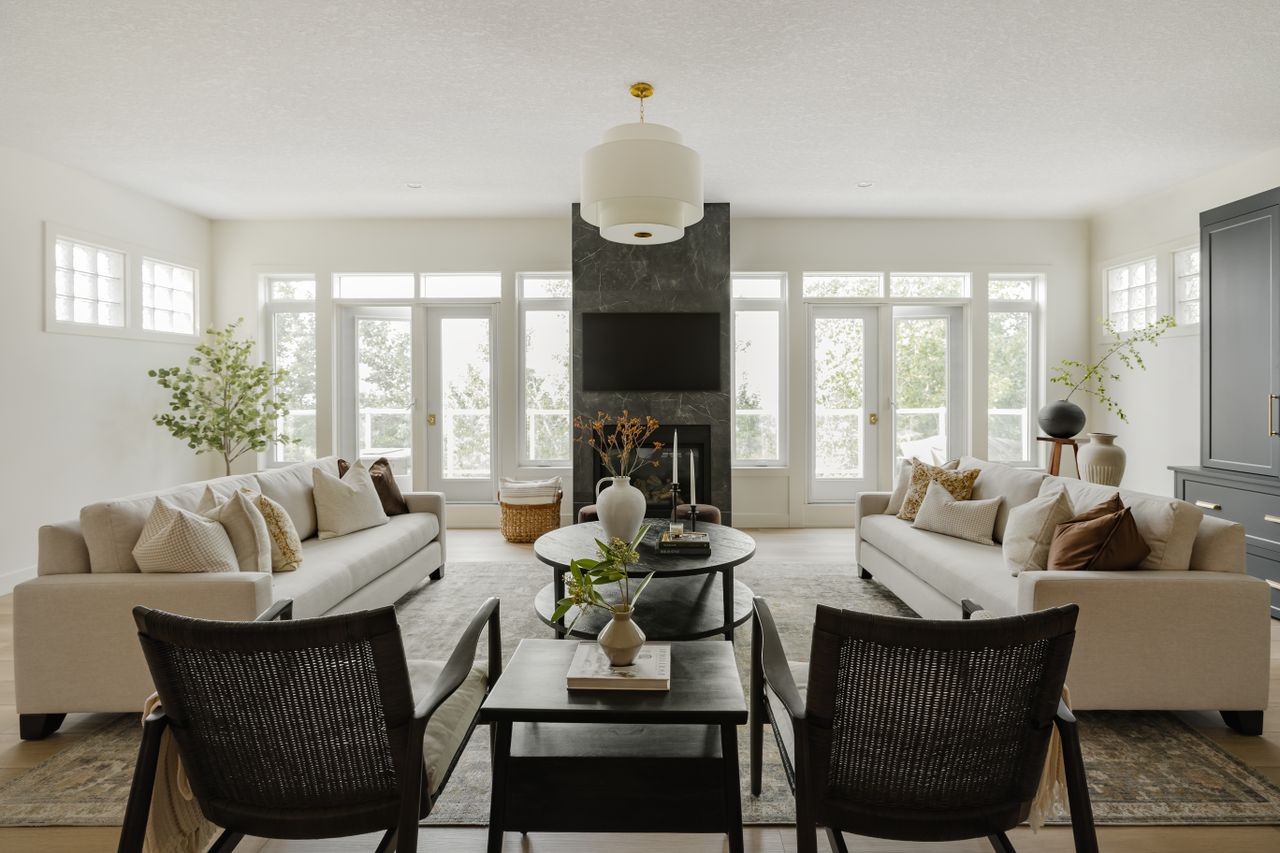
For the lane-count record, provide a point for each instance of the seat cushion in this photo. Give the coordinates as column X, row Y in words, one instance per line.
column 333, row 569
column 111, row 528
column 447, row 731
column 954, row 567
column 997, row 480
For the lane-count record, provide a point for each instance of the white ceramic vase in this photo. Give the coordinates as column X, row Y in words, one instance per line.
column 620, row 508
column 621, row 640
column 1101, row 461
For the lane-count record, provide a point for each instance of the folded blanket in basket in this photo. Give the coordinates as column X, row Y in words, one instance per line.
column 529, row 492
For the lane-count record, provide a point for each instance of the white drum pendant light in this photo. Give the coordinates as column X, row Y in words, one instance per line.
column 641, row 185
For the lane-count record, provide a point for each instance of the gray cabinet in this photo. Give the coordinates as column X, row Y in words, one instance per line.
column 1239, row 473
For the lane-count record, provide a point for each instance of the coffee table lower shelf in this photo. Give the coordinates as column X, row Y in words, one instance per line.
column 679, row 608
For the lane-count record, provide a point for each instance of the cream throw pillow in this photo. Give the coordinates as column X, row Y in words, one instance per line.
column 177, row 540
column 1029, row 531
column 942, row 513
column 245, row 526
column 348, row 504
column 286, row 547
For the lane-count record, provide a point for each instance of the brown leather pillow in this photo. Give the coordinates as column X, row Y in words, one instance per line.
column 1102, row 539
column 384, row 483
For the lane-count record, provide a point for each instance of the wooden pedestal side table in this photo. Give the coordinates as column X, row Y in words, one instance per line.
column 616, row 761
column 1055, row 456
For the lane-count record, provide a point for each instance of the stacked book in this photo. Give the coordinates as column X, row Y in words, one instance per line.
column 590, row 669
column 691, row 543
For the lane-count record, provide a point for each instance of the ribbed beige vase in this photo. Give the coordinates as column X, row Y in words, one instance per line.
column 621, row 640
column 1101, row 461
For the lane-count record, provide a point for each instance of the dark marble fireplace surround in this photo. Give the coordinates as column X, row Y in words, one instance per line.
column 691, row 274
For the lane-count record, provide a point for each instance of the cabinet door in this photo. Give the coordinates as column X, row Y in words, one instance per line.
column 1240, row 329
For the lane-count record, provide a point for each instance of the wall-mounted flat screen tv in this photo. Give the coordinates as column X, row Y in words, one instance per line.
column 651, row 352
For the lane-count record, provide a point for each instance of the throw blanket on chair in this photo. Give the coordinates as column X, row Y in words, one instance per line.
column 175, row 823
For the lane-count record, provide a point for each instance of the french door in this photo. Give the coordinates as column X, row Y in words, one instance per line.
column 843, row 419
column 417, row 386
column 928, row 382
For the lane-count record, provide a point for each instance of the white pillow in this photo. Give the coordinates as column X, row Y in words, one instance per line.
column 177, row 540
column 1015, row 485
column 1029, row 531
column 245, row 526
column 971, row 520
column 529, row 492
column 348, row 504
column 903, row 484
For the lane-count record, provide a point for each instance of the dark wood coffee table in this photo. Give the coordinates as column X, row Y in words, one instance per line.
column 681, row 603
column 616, row 761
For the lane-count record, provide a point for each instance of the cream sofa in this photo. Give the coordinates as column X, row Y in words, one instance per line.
column 1191, row 639
column 75, row 642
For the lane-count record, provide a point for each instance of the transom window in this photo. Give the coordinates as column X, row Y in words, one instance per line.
column 168, row 297
column 88, row 284
column 930, row 285
column 1131, row 295
column 1186, row 285
column 462, row 286
column 1012, row 288
column 842, row 285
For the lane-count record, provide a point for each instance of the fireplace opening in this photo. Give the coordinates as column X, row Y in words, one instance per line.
column 654, row 482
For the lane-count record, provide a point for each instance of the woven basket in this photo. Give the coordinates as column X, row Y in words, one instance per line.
column 524, row 523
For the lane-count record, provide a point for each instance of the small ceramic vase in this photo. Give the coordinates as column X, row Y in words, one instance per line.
column 621, row 640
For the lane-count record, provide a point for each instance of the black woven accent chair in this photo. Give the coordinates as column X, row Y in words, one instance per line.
column 307, row 729
column 918, row 730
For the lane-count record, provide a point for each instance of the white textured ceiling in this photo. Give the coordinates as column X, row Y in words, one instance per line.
column 283, row 108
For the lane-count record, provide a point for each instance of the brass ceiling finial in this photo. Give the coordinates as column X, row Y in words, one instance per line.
column 641, row 90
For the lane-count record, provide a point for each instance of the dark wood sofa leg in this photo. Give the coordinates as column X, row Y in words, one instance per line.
column 863, row 574
column 1245, row 722
column 38, row 726
column 438, row 574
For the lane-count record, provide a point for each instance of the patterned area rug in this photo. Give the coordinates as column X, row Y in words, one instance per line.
column 1144, row 768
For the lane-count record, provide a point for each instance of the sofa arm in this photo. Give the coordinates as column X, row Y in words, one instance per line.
column 1170, row 640
column 870, row 503
column 430, row 502
column 75, row 644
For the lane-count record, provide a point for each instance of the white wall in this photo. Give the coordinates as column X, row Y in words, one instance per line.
column 1163, row 404
column 245, row 250
column 77, row 408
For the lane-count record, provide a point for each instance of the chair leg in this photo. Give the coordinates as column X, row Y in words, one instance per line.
column 1000, row 843
column 756, row 720
column 226, row 842
column 388, row 842
column 1082, row 828
column 836, row 839
column 134, row 831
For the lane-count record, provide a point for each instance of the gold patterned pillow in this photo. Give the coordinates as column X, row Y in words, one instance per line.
column 958, row 483
column 286, row 547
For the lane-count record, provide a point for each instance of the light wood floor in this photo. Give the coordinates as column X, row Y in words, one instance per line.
column 1262, row 753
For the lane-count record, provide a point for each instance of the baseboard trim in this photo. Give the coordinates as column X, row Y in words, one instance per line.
column 9, row 580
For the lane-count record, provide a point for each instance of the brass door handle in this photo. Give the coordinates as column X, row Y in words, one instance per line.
column 873, row 419
column 1271, row 411
column 431, row 420
column 1208, row 505
column 1274, row 519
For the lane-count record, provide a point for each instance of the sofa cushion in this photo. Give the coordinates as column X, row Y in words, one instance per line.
column 1015, row 485
column 958, row 483
column 971, row 520
column 111, row 528
column 954, row 567
column 286, row 547
column 384, row 480
column 333, row 569
column 178, row 540
column 1030, row 531
column 1103, row 538
column 451, row 723
column 245, row 526
column 291, row 487
column 1169, row 526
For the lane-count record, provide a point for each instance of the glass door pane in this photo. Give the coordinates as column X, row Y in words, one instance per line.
column 927, row 383
column 384, row 390
column 842, row 374
column 460, row 437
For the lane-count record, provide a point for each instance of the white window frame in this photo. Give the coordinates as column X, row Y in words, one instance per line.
column 1032, row 307
column 1175, row 296
column 195, row 292
column 881, row 296
column 270, row 308
column 537, row 303
column 778, row 304
column 831, row 490
column 131, row 274
column 965, row 294
column 1161, row 285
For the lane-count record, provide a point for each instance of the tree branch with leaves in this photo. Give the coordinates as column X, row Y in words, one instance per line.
column 1092, row 378
column 222, row 402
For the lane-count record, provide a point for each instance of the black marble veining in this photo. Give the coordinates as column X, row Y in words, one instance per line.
column 691, row 274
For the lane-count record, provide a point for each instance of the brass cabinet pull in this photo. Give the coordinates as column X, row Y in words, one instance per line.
column 1208, row 505
column 1273, row 584
column 1271, row 409
column 1274, row 519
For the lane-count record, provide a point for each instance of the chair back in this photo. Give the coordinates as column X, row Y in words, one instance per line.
column 288, row 729
column 931, row 730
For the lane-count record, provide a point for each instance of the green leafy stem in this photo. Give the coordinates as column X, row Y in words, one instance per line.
column 1092, row 377
column 586, row 575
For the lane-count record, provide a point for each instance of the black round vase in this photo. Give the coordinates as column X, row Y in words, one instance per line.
column 1061, row 419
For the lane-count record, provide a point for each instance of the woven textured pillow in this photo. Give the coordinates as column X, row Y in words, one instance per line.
column 942, row 513
column 286, row 547
column 958, row 483
column 177, row 540
column 245, row 526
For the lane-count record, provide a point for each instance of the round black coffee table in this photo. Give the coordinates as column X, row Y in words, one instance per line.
column 682, row 602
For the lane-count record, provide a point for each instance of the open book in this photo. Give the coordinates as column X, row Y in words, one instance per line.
column 590, row 669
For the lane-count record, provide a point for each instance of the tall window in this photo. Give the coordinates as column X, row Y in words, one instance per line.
column 168, row 297
column 290, row 338
column 545, row 434
column 1011, row 367
column 1131, row 295
column 758, row 309
column 1186, row 285
column 88, row 284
